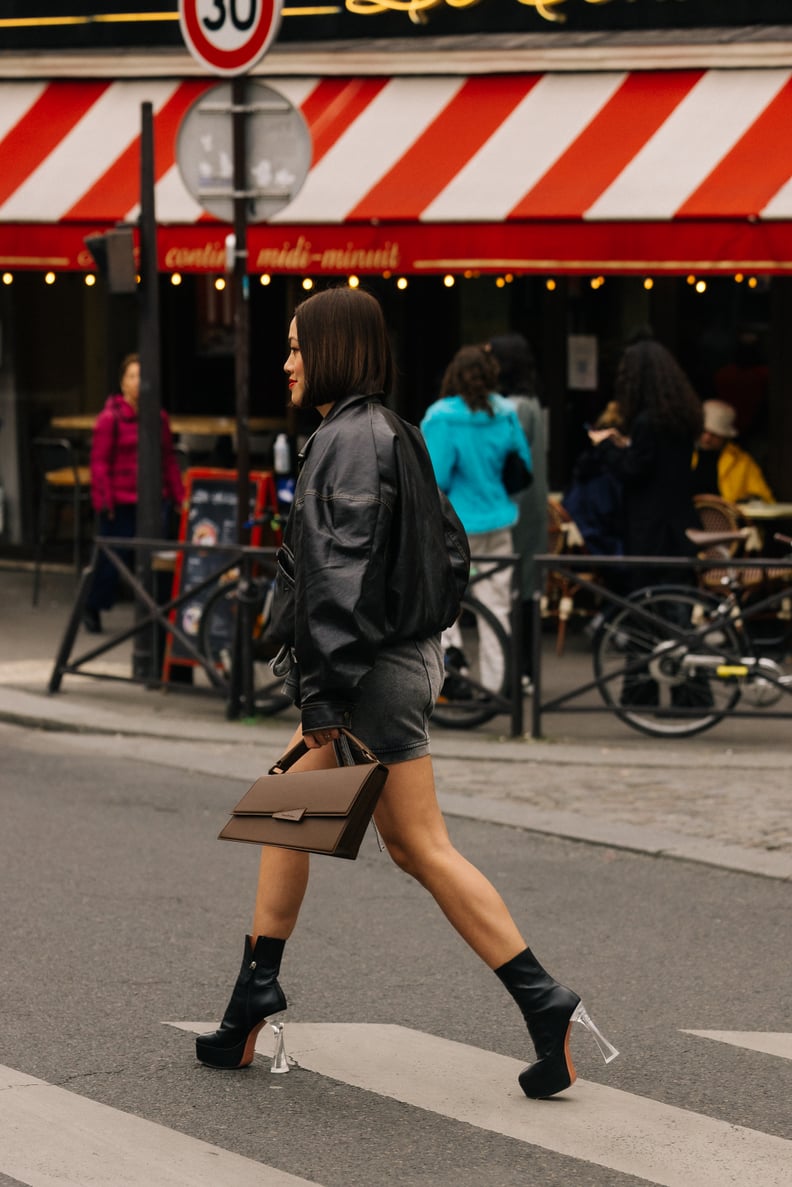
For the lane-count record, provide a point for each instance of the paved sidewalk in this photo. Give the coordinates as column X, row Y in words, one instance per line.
column 721, row 799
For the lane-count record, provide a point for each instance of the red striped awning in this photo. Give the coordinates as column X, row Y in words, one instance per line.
column 537, row 172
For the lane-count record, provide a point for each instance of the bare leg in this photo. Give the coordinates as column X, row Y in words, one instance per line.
column 412, row 826
column 283, row 873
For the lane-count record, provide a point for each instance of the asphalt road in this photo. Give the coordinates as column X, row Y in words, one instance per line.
column 121, row 913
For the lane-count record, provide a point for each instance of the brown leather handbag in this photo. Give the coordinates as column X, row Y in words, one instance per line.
column 325, row 811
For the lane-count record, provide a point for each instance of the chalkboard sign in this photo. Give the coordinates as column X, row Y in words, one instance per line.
column 209, row 517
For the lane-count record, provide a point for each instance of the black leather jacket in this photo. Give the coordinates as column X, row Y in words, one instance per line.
column 372, row 555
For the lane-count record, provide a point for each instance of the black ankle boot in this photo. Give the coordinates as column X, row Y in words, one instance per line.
column 255, row 997
column 548, row 1009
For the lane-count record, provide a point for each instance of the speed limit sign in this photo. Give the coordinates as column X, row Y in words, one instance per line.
column 229, row 36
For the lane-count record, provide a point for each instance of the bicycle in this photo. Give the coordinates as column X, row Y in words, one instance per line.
column 464, row 701
column 677, row 659
column 218, row 626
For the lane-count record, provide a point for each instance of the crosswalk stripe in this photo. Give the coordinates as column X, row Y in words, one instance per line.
column 767, row 1042
column 663, row 1144
column 52, row 1136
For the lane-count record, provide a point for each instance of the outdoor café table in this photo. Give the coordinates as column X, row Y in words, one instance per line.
column 769, row 518
column 756, row 509
column 202, row 426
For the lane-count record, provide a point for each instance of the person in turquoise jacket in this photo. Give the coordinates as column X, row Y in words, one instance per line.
column 468, row 432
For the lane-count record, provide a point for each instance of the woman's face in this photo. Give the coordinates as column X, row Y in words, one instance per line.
column 294, row 367
column 130, row 384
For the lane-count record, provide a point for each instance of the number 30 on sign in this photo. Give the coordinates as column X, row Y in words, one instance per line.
column 229, row 36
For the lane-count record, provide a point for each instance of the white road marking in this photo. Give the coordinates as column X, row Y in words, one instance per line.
column 768, row 1042
column 51, row 1136
column 644, row 1138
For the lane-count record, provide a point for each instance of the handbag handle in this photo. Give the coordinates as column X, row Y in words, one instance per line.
column 300, row 748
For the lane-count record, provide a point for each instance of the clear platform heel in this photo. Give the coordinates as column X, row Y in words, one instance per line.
column 280, row 1060
column 607, row 1050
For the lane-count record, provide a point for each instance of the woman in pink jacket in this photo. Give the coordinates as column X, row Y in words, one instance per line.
column 114, row 463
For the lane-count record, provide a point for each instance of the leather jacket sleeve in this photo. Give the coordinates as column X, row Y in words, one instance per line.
column 340, row 603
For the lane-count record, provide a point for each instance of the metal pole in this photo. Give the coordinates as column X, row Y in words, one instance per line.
column 241, row 304
column 243, row 644
column 516, row 692
column 536, row 662
column 149, row 506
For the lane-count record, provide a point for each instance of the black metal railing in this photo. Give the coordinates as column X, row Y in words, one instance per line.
column 589, row 574
column 157, row 618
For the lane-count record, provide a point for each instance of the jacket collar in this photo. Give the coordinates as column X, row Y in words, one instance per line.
column 339, row 407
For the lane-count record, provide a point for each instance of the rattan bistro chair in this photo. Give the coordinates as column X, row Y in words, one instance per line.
column 718, row 515
column 63, row 486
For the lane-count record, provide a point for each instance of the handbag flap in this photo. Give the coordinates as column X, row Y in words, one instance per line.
column 327, row 792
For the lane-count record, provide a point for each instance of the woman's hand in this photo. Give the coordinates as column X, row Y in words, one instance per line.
column 597, row 436
column 315, row 741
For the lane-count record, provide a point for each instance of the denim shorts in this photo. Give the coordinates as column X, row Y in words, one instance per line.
column 397, row 698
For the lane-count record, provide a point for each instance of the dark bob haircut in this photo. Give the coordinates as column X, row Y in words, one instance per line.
column 344, row 346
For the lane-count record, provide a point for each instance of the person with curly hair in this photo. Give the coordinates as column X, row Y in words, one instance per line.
column 652, row 453
column 652, row 456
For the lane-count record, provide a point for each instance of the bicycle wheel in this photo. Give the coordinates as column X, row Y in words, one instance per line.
column 471, row 696
column 661, row 670
column 216, row 639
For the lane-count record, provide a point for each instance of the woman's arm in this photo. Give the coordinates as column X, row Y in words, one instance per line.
column 634, row 459
column 442, row 450
column 172, row 484
column 340, row 587
column 102, row 450
column 520, row 441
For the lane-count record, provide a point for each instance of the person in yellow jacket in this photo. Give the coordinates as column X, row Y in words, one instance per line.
column 721, row 466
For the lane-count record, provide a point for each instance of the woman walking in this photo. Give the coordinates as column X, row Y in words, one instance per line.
column 372, row 567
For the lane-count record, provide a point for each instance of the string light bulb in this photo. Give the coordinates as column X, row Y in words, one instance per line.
column 176, row 279
column 353, row 282
column 550, row 285
column 449, row 281
column 401, row 283
column 49, row 278
column 307, row 283
column 90, row 280
column 220, row 283
column 8, row 278
column 265, row 279
column 701, row 286
column 648, row 283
